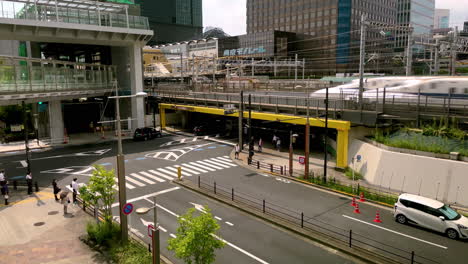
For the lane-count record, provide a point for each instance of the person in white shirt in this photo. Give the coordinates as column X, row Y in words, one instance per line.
column 74, row 186
column 2, row 177
column 237, row 150
column 29, row 182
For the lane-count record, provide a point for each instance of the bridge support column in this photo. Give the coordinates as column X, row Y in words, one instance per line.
column 57, row 128
column 342, row 149
column 162, row 116
column 136, row 84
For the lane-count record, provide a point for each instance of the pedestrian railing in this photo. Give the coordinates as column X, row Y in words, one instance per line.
column 297, row 218
column 266, row 166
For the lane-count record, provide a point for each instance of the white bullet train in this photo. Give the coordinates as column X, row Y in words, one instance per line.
column 432, row 89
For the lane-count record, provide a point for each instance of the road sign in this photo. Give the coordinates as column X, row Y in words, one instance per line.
column 150, row 230
column 128, row 209
column 358, row 158
column 302, row 160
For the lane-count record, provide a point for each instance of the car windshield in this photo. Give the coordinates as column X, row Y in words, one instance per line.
column 449, row 213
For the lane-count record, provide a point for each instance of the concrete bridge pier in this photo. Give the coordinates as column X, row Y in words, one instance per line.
column 56, row 125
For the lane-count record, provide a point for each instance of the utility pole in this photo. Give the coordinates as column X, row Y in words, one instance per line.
column 250, row 119
column 26, row 136
column 290, row 153
column 454, row 51
column 155, row 231
column 181, row 69
column 241, row 115
column 325, row 160
column 362, row 57
column 409, row 52
column 307, row 143
column 436, row 58
column 295, row 71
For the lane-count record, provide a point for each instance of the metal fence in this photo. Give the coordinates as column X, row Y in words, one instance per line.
column 267, row 166
column 299, row 219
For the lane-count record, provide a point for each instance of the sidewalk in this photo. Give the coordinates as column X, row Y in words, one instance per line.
column 33, row 229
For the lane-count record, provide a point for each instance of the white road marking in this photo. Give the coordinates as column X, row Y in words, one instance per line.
column 225, row 159
column 183, row 140
column 217, row 163
column 229, row 223
column 176, row 171
column 210, row 165
column 193, row 167
column 224, row 162
column 240, row 249
column 195, row 139
column 142, row 178
column 172, row 235
column 134, row 181
column 161, row 174
column 129, row 186
column 395, row 232
column 265, row 175
column 202, row 166
column 186, row 169
column 24, row 163
column 162, row 228
column 223, row 142
column 151, row 176
column 206, row 137
column 219, row 218
column 168, row 172
column 84, row 171
column 199, row 207
column 148, row 195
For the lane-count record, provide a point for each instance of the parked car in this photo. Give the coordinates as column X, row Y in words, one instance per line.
column 145, row 133
column 430, row 214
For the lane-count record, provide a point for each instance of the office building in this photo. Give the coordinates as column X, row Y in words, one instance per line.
column 418, row 14
column 173, row 20
column 332, row 26
column 442, row 18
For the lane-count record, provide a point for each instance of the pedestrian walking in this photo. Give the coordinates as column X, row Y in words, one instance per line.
column 2, row 178
column 74, row 186
column 275, row 138
column 260, row 145
column 278, row 144
column 29, row 182
column 237, row 150
column 5, row 192
column 65, row 201
column 56, row 189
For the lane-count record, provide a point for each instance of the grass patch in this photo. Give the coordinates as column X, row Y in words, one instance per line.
column 349, row 174
column 131, row 253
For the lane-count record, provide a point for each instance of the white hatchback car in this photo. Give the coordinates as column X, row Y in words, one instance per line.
column 430, row 214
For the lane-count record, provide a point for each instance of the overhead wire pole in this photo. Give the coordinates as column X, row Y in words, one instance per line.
column 307, row 143
column 241, row 115
column 362, row 56
column 453, row 48
column 409, row 52
column 325, row 160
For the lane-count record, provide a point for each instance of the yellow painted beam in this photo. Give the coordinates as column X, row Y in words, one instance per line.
column 162, row 116
column 342, row 149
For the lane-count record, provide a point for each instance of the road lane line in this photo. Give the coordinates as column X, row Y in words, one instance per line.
column 176, row 171
column 229, row 223
column 24, row 163
column 168, row 172
column 162, row 228
column 225, row 159
column 224, row 162
column 398, row 233
column 210, row 165
column 185, row 165
column 142, row 178
column 172, row 235
column 219, row 218
column 162, row 175
column 202, row 166
column 215, row 236
column 217, row 163
column 186, row 169
column 148, row 195
column 129, row 186
column 195, row 139
column 151, row 176
column 134, row 181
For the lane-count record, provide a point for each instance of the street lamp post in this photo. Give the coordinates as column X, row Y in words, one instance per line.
column 155, row 231
column 26, row 136
column 291, row 139
column 325, row 158
column 121, row 166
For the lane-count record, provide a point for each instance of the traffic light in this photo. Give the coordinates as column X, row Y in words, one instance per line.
column 39, row 103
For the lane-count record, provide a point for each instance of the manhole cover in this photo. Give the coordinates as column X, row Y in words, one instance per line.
column 39, row 224
column 53, row 212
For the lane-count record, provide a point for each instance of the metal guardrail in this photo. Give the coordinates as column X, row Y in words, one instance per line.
column 267, row 166
column 307, row 223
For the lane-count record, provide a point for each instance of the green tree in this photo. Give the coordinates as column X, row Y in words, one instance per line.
column 100, row 192
column 196, row 239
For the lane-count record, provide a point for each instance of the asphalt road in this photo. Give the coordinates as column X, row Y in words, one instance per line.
column 149, row 166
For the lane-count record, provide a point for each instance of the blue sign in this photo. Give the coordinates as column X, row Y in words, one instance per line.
column 128, row 209
column 358, row 157
column 244, row 51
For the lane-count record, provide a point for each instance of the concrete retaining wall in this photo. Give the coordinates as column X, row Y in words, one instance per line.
column 441, row 179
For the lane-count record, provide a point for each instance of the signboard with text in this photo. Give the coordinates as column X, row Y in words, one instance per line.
column 244, row 51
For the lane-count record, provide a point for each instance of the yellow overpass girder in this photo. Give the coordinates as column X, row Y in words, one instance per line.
column 342, row 127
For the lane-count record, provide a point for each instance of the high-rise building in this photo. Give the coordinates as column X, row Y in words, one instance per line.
column 173, row 20
column 418, row 14
column 333, row 27
column 442, row 18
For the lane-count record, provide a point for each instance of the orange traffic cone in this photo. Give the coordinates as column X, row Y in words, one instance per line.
column 362, row 197
column 377, row 218
column 353, row 203
column 356, row 209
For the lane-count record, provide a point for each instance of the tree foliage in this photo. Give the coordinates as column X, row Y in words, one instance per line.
column 100, row 192
column 196, row 239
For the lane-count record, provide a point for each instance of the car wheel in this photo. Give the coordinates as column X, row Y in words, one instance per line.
column 452, row 233
column 401, row 219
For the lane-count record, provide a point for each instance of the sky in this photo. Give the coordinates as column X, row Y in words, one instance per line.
column 230, row 15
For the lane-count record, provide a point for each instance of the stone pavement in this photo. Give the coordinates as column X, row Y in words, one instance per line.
column 33, row 229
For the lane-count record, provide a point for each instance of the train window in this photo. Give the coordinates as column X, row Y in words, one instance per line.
column 452, row 90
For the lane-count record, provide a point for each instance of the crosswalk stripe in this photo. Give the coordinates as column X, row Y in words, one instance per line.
column 206, row 137
column 202, row 166
column 193, row 167
column 195, row 139
column 134, row 181
column 224, row 162
column 223, row 158
column 209, row 165
column 161, row 175
column 151, row 176
column 183, row 172
column 129, row 186
column 226, row 157
column 217, row 163
column 142, row 178
column 186, row 169
column 168, row 172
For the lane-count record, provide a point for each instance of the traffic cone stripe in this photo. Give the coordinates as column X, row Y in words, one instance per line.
column 353, row 203
column 362, row 197
column 377, row 218
column 356, row 209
